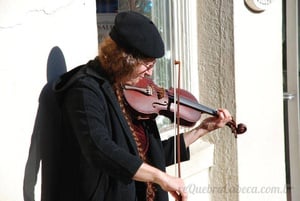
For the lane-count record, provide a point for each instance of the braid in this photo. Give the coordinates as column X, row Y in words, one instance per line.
column 119, row 94
column 150, row 191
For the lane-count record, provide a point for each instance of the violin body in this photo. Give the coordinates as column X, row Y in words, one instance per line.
column 144, row 101
column 147, row 100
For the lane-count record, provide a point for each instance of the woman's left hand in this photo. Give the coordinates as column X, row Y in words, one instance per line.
column 212, row 123
column 207, row 125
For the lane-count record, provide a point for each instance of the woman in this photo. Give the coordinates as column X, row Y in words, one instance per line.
column 107, row 153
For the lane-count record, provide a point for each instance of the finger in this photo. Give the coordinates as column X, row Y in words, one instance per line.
column 175, row 195
column 227, row 114
column 224, row 114
column 183, row 196
column 221, row 114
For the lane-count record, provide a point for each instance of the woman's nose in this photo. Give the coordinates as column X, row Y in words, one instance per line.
column 149, row 72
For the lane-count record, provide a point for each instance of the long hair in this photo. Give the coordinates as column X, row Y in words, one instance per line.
column 116, row 61
column 120, row 65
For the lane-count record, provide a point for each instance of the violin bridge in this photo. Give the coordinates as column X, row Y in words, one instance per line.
column 149, row 91
column 160, row 93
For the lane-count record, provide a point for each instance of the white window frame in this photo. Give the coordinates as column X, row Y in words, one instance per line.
column 180, row 35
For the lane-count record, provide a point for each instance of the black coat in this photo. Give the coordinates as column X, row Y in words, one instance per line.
column 97, row 153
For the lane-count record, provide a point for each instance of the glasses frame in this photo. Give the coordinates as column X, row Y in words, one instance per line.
column 149, row 64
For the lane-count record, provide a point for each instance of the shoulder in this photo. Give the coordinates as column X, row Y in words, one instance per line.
column 89, row 74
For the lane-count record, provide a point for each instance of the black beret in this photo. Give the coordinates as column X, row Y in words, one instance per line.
column 137, row 34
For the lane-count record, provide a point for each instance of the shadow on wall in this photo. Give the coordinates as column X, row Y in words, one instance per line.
column 42, row 147
column 56, row 64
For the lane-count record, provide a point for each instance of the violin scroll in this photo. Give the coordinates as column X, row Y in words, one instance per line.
column 237, row 129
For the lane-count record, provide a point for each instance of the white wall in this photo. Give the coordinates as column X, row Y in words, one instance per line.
column 258, row 64
column 28, row 32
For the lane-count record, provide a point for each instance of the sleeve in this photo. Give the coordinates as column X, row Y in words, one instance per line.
column 168, row 146
column 86, row 109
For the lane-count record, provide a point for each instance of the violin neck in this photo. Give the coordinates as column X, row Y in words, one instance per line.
column 201, row 108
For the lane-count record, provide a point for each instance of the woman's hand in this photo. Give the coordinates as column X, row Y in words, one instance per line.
column 207, row 125
column 174, row 185
column 212, row 123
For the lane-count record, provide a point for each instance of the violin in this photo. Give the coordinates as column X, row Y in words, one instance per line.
column 147, row 100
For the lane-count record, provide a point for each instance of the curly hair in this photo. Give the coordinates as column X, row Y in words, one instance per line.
column 116, row 61
column 121, row 65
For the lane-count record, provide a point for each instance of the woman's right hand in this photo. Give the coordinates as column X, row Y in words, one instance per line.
column 174, row 185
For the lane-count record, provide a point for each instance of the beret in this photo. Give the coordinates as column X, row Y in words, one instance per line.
column 137, row 35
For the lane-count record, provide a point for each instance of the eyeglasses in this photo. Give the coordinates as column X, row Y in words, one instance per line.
column 149, row 65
